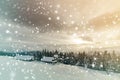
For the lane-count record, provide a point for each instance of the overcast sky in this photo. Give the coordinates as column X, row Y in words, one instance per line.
column 37, row 24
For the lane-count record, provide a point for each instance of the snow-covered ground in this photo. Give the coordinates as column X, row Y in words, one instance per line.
column 11, row 69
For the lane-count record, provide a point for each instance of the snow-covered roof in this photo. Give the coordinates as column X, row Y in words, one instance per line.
column 24, row 57
column 47, row 59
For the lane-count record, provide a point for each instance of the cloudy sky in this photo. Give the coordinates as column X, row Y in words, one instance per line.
column 65, row 24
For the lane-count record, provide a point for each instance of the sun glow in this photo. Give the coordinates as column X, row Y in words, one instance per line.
column 78, row 41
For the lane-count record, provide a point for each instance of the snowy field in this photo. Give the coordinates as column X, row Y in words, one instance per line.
column 11, row 69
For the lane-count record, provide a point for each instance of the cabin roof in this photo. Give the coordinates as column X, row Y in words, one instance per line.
column 49, row 59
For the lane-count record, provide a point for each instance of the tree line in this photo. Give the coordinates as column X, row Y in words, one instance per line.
column 103, row 61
